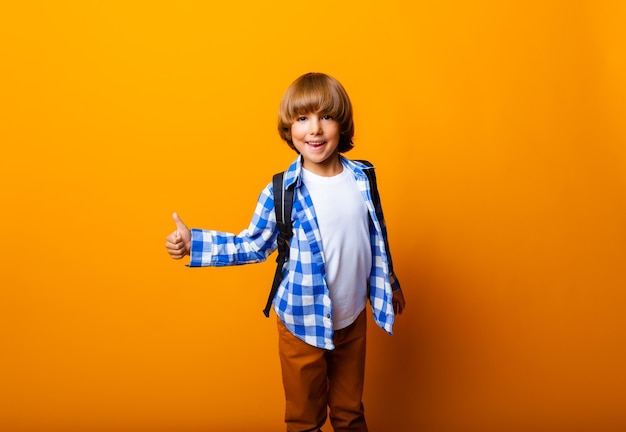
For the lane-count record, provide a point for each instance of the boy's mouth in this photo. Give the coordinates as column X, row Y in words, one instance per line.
column 315, row 144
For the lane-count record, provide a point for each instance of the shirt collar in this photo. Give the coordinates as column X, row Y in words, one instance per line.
column 293, row 175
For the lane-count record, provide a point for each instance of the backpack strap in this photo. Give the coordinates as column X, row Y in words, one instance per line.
column 371, row 176
column 283, row 203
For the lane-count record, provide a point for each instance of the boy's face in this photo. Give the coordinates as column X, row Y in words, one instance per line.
column 316, row 137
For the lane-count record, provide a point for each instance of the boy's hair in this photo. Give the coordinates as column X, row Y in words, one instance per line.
column 317, row 93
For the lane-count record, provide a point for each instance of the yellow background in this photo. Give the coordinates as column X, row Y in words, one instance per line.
column 498, row 130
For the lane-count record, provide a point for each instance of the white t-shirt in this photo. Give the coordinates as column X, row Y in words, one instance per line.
column 344, row 226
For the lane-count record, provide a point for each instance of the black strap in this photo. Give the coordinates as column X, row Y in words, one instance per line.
column 283, row 203
column 371, row 175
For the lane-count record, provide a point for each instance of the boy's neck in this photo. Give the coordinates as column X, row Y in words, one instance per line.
column 328, row 168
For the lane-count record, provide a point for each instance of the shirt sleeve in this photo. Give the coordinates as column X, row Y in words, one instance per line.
column 252, row 245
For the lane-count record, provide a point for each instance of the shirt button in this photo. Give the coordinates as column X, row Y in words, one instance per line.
column 327, row 315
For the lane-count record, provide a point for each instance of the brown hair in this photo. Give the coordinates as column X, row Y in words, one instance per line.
column 317, row 93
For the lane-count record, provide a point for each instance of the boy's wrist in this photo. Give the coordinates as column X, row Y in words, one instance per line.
column 395, row 284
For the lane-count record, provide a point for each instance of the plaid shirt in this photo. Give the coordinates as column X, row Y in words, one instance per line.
column 302, row 301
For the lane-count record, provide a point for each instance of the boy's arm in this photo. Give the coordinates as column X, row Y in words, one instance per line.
column 398, row 301
column 252, row 245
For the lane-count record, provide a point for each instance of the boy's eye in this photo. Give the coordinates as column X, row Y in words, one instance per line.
column 301, row 118
column 327, row 117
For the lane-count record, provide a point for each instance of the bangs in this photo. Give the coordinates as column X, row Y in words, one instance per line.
column 315, row 94
column 310, row 98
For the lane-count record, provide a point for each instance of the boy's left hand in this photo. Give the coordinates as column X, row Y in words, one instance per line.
column 398, row 301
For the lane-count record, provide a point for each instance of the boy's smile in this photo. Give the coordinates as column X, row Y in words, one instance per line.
column 316, row 137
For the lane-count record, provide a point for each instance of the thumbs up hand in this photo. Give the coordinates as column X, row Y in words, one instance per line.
column 178, row 243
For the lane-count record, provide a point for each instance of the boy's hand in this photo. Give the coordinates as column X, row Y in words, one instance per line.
column 398, row 302
column 178, row 243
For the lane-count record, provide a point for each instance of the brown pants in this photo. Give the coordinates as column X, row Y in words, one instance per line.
column 316, row 379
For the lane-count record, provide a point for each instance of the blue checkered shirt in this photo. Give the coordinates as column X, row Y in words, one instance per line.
column 302, row 301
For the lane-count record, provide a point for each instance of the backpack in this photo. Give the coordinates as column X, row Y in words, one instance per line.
column 283, row 203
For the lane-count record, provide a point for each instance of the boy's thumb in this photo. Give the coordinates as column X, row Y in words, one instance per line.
column 179, row 223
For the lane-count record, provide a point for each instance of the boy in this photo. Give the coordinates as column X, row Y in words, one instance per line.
column 337, row 259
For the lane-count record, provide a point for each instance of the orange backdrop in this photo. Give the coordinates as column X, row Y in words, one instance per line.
column 499, row 135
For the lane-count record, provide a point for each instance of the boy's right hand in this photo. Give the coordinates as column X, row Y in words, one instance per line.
column 178, row 243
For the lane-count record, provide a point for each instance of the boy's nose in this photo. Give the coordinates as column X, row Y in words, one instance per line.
column 315, row 127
